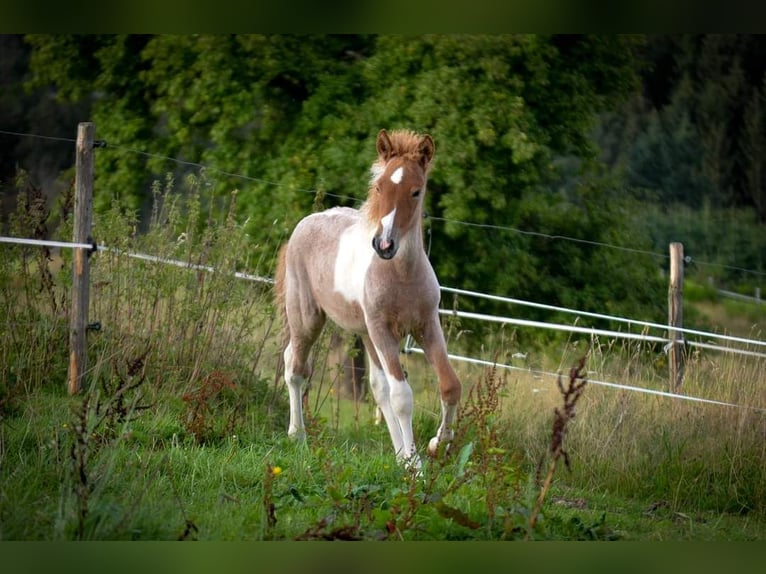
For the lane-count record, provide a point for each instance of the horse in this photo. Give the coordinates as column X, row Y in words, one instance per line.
column 367, row 270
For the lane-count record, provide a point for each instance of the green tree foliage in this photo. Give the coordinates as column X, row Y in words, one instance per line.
column 691, row 146
column 754, row 149
column 40, row 159
column 296, row 117
column 501, row 109
column 665, row 159
column 691, row 136
column 102, row 71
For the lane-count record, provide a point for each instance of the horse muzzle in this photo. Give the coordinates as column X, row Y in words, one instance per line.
column 385, row 248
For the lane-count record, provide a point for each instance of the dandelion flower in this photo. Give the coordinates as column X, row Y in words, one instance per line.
column 276, row 471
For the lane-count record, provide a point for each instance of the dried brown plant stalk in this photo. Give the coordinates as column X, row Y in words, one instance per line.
column 571, row 395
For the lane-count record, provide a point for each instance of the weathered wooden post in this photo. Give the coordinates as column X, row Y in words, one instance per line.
column 83, row 219
column 675, row 316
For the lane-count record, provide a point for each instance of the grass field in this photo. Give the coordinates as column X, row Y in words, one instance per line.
column 180, row 431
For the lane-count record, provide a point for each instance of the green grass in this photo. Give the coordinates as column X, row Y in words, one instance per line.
column 153, row 481
column 180, row 431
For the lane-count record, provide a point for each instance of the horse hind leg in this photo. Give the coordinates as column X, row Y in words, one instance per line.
column 295, row 370
column 304, row 321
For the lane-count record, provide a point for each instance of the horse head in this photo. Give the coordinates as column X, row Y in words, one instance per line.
column 399, row 176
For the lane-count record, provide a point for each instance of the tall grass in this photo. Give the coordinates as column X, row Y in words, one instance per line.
column 179, row 432
column 685, row 455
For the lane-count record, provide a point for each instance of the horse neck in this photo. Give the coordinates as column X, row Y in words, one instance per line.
column 411, row 252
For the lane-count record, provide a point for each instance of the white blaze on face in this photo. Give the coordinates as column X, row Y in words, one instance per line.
column 388, row 223
column 396, row 177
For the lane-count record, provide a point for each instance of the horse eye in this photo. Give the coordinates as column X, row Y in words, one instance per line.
column 416, row 193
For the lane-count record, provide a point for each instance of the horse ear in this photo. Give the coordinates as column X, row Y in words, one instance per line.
column 426, row 149
column 385, row 149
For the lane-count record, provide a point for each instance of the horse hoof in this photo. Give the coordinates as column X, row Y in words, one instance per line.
column 298, row 435
column 433, row 446
column 414, row 465
column 411, row 463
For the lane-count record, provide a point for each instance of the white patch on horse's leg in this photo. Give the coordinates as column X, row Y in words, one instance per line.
column 445, row 432
column 381, row 392
column 402, row 404
column 396, row 177
column 295, row 384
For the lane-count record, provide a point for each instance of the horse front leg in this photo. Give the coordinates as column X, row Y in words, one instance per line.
column 394, row 397
column 382, row 394
column 450, row 389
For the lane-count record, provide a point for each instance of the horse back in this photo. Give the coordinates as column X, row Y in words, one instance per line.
column 312, row 267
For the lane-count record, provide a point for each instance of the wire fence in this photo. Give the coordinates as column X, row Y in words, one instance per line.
column 410, row 348
column 616, row 318
column 93, row 247
column 540, row 373
column 185, row 264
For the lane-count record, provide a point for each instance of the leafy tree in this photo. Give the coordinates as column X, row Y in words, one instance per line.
column 39, row 159
column 693, row 138
column 218, row 100
column 101, row 72
column 754, row 149
column 296, row 117
column 666, row 158
column 692, row 119
column 501, row 109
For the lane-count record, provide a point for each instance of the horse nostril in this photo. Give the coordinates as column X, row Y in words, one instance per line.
column 385, row 248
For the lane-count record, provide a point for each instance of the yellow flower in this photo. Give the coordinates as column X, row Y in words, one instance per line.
column 276, row 471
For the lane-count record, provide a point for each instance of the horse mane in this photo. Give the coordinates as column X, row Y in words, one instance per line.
column 404, row 144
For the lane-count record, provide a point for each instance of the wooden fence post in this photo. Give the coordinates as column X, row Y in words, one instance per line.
column 675, row 316
column 83, row 219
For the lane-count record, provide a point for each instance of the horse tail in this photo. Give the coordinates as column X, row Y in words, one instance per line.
column 280, row 303
column 280, row 295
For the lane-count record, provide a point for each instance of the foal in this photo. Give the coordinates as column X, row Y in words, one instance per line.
column 368, row 272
